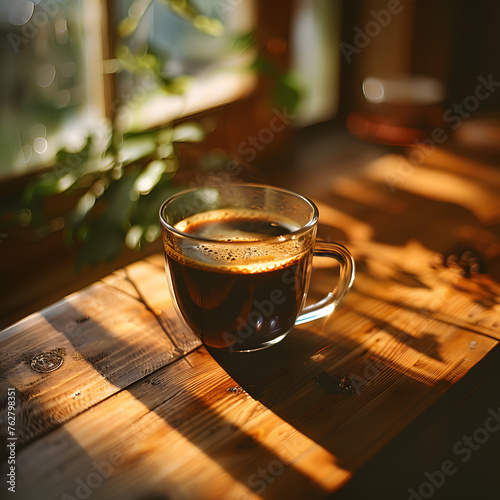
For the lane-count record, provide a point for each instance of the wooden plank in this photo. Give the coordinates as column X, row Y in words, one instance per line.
column 414, row 278
column 444, row 203
column 395, row 380
column 476, row 171
column 473, row 194
column 407, row 332
column 438, row 436
column 146, row 281
column 180, row 433
column 107, row 338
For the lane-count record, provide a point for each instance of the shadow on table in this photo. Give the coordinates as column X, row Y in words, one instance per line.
column 450, row 451
column 188, row 412
column 393, row 451
column 351, row 424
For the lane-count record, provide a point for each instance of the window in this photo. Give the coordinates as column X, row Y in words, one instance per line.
column 45, row 88
column 54, row 91
column 61, row 81
column 201, row 66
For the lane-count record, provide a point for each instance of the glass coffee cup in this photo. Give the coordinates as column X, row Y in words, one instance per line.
column 239, row 261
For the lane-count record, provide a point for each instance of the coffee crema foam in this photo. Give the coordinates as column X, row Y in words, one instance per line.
column 238, row 241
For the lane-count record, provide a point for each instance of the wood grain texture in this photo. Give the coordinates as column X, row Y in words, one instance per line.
column 109, row 335
column 140, row 411
column 399, row 363
column 172, row 438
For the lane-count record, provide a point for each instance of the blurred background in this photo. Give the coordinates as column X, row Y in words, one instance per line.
column 110, row 106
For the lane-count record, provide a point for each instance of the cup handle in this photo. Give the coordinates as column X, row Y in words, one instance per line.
column 346, row 279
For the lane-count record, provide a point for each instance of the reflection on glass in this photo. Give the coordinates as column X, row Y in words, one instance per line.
column 165, row 56
column 43, row 82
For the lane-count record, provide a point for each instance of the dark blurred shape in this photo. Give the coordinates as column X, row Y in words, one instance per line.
column 335, row 384
column 409, row 68
column 276, row 46
column 398, row 110
column 468, row 260
column 480, row 134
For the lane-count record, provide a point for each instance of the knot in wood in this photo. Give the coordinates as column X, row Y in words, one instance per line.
column 46, row 362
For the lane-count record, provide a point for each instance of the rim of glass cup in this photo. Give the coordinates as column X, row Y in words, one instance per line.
column 281, row 238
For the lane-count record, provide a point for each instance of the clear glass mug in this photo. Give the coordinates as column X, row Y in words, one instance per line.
column 239, row 260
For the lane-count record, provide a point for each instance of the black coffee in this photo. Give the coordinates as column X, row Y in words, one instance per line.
column 244, row 306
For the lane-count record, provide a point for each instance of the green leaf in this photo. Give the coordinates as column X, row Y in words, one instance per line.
column 185, row 10
column 177, row 85
column 135, row 148
column 103, row 240
column 136, row 12
column 149, row 64
column 210, row 25
column 150, row 176
column 133, row 237
column 146, row 209
column 77, row 216
column 49, row 184
column 127, row 26
column 242, row 42
column 144, row 63
column 188, row 132
column 152, row 233
column 165, row 150
column 287, row 90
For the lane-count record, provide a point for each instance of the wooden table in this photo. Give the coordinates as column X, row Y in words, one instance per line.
column 140, row 410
